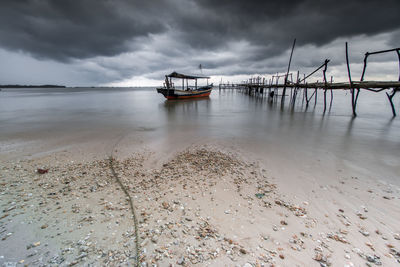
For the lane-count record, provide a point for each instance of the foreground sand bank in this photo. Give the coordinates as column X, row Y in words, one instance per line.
column 201, row 205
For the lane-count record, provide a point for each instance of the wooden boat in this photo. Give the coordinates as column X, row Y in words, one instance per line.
column 169, row 91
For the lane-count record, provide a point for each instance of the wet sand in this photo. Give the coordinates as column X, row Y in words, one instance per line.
column 197, row 205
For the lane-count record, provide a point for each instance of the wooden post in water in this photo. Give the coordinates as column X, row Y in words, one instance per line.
column 270, row 86
column 293, row 99
column 398, row 57
column 287, row 73
column 256, row 86
column 325, row 82
column 315, row 95
column 390, row 97
column 351, row 83
column 330, row 104
column 305, row 89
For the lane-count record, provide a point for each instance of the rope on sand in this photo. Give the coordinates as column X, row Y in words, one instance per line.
column 114, row 173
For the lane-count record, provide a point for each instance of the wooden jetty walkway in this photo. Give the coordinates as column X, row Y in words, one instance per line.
column 270, row 87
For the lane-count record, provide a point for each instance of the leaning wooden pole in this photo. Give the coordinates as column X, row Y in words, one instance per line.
column 296, row 88
column 395, row 88
column 325, row 82
column 390, row 96
column 398, row 57
column 304, row 90
column 351, row 83
column 287, row 73
column 330, row 104
column 315, row 96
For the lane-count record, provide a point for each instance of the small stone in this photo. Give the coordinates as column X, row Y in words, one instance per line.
column 275, row 228
column 81, row 256
column 370, row 258
column 44, row 226
column 144, row 242
column 259, row 195
column 9, row 209
column 181, row 261
column 284, row 222
column 42, row 171
column 364, row 233
column 318, row 257
column 33, row 245
column 9, row 264
column 83, row 249
column 396, row 236
column 342, row 231
column 281, row 256
column 243, row 251
column 165, row 205
column 318, row 249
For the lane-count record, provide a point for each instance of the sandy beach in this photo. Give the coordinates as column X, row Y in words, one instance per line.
column 199, row 133
column 199, row 205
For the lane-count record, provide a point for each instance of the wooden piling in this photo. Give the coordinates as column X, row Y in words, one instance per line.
column 256, row 86
column 325, row 82
column 350, row 82
column 287, row 73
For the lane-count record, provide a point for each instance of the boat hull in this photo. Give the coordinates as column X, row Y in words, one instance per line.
column 182, row 94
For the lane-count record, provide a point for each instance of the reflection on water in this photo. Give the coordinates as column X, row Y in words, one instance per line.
column 226, row 114
column 185, row 105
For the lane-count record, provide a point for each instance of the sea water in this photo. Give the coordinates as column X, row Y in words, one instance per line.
column 370, row 139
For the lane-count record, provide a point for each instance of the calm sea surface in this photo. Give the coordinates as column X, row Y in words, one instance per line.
column 372, row 137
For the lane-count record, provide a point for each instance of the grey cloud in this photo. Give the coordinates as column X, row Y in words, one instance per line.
column 62, row 30
column 123, row 38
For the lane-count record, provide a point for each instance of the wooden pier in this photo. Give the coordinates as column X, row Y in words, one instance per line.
column 276, row 85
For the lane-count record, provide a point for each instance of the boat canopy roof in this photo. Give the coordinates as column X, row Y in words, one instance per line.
column 183, row 76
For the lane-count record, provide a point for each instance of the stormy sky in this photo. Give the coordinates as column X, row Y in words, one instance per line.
column 135, row 43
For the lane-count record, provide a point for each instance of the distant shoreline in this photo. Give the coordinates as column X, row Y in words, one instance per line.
column 63, row 86
column 32, row 86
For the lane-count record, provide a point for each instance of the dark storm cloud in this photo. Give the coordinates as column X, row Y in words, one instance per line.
column 74, row 29
column 159, row 34
column 274, row 24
